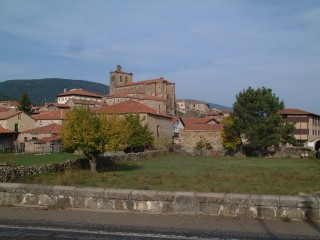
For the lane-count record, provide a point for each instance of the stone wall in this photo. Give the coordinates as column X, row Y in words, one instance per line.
column 9, row 174
column 188, row 140
column 162, row 202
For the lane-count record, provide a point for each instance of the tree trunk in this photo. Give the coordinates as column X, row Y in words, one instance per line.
column 93, row 165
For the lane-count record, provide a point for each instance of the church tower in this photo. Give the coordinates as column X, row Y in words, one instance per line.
column 118, row 78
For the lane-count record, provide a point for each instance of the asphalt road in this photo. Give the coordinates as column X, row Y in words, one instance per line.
column 38, row 223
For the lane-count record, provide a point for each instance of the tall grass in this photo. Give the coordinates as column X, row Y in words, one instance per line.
column 176, row 172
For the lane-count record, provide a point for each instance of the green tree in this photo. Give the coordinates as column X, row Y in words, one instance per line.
column 25, row 103
column 257, row 119
column 229, row 137
column 141, row 136
column 94, row 134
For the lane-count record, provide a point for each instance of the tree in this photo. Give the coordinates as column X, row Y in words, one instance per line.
column 141, row 136
column 229, row 137
column 25, row 103
column 94, row 134
column 257, row 118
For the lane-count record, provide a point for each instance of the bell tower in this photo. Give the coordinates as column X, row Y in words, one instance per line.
column 118, row 78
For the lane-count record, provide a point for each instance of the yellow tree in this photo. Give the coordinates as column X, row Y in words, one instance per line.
column 230, row 139
column 94, row 134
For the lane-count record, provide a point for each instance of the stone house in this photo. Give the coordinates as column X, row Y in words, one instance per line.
column 79, row 94
column 192, row 105
column 7, row 138
column 16, row 121
column 209, row 134
column 49, row 117
column 52, row 107
column 160, row 124
column 44, row 139
column 80, row 102
column 9, row 104
column 157, row 93
column 307, row 126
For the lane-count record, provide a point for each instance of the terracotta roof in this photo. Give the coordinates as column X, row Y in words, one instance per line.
column 3, row 130
column 150, row 81
column 51, row 129
column 9, row 114
column 294, row 111
column 204, row 127
column 50, row 139
column 11, row 103
column 87, row 102
column 51, row 115
column 131, row 106
column 58, row 105
column 79, row 92
column 191, row 121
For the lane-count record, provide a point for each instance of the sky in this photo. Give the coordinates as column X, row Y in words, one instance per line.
column 210, row 49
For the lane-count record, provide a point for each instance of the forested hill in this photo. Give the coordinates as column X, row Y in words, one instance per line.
column 41, row 90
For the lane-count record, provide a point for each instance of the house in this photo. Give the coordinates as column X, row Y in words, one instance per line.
column 7, row 138
column 192, row 105
column 49, row 117
column 209, row 134
column 9, row 104
column 79, row 94
column 160, row 124
column 16, row 121
column 177, row 125
column 157, row 93
column 73, row 102
column 307, row 126
column 52, row 107
column 44, row 139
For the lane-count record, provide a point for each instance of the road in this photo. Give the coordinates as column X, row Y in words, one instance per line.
column 38, row 223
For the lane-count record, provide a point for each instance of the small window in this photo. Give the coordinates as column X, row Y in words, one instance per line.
column 16, row 127
column 19, row 116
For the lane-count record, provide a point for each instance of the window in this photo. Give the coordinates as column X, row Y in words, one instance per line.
column 19, row 116
column 158, row 130
column 16, row 127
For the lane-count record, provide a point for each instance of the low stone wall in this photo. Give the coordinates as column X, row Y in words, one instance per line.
column 9, row 174
column 162, row 202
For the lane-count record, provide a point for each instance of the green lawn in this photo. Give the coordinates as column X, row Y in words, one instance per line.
column 176, row 172
column 30, row 159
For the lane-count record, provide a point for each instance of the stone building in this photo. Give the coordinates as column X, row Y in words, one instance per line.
column 16, row 121
column 158, row 94
column 78, row 94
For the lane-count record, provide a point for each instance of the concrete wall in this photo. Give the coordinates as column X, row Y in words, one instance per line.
column 162, row 202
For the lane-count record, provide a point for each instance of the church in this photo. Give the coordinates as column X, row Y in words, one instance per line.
column 158, row 93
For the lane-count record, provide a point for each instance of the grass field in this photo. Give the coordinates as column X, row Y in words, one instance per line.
column 175, row 172
column 30, row 160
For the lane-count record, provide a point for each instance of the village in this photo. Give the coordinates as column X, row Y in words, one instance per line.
column 182, row 123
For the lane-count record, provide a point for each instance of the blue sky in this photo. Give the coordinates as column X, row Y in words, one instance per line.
column 211, row 49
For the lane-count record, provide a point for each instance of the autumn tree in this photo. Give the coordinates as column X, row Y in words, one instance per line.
column 229, row 137
column 141, row 136
column 257, row 119
column 94, row 134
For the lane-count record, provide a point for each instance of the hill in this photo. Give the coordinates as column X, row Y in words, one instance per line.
column 45, row 90
column 218, row 106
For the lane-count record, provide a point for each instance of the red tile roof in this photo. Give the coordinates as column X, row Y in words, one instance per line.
column 11, row 103
column 9, row 114
column 294, row 111
column 191, row 121
column 79, row 92
column 131, row 106
column 49, row 129
column 50, row 139
column 51, row 115
column 150, row 81
column 3, row 130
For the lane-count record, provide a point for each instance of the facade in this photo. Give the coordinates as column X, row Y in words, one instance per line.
column 210, row 134
column 16, row 121
column 7, row 138
column 156, row 93
column 159, row 124
column 79, row 94
column 307, row 124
